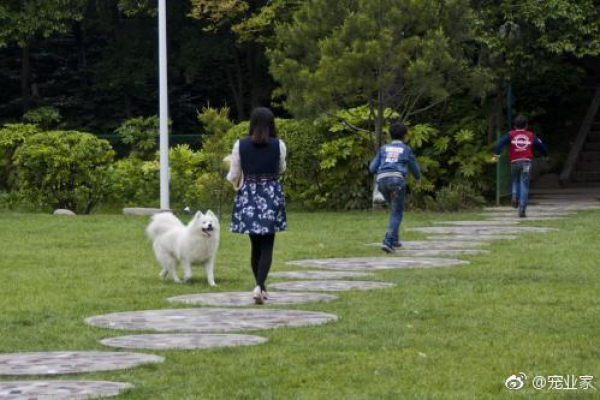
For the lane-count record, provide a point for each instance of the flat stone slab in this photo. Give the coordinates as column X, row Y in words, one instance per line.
column 471, row 236
column 60, row 390
column 537, row 209
column 515, row 217
column 377, row 263
column 209, row 319
column 440, row 252
column 530, row 214
column 64, row 212
column 182, row 341
column 331, row 286
column 71, row 362
column 573, row 207
column 140, row 212
column 435, row 245
column 245, row 298
column 482, row 230
column 319, row 274
column 477, row 223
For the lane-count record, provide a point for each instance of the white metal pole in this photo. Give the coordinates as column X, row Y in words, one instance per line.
column 164, row 106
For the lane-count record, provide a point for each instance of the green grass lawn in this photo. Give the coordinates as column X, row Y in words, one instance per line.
column 532, row 305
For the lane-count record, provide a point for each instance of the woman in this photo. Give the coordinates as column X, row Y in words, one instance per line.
column 259, row 208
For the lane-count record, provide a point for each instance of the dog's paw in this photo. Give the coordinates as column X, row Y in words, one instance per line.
column 212, row 284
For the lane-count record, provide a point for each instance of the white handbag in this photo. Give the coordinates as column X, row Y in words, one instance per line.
column 236, row 181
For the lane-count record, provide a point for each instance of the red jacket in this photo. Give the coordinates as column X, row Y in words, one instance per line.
column 521, row 144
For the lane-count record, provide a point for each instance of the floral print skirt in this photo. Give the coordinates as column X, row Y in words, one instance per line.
column 259, row 208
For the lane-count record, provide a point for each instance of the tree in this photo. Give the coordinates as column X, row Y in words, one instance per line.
column 242, row 29
column 21, row 21
column 405, row 55
column 527, row 40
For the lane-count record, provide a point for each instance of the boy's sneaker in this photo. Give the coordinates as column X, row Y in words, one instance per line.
column 522, row 213
column 514, row 203
column 397, row 246
column 387, row 248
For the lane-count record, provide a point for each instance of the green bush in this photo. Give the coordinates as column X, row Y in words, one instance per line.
column 452, row 165
column 44, row 117
column 12, row 136
column 135, row 182
column 64, row 169
column 453, row 197
column 141, row 134
column 327, row 164
column 14, row 201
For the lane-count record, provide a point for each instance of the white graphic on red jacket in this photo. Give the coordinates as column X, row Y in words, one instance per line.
column 521, row 142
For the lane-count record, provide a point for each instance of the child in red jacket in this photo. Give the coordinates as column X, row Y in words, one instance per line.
column 521, row 144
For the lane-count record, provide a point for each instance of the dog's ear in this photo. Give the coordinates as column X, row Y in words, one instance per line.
column 211, row 214
column 199, row 215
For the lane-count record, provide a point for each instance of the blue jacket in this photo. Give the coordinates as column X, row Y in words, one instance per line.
column 395, row 157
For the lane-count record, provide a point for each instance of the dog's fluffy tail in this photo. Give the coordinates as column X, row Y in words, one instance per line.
column 162, row 223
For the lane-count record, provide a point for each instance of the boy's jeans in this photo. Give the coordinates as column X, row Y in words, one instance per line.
column 392, row 189
column 519, row 171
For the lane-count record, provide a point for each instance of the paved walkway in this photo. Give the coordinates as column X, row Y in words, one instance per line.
column 196, row 328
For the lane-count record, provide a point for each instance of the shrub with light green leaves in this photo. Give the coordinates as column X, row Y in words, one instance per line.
column 64, row 169
column 136, row 182
column 141, row 134
column 448, row 157
column 302, row 179
column 45, row 117
column 12, row 136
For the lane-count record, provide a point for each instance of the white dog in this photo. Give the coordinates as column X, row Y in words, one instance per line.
column 176, row 243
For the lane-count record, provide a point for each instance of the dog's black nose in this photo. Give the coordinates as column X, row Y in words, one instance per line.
column 210, row 225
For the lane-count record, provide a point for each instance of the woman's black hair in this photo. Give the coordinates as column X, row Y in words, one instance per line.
column 520, row 122
column 262, row 125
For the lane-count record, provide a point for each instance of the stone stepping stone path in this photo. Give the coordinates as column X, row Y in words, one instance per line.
column 477, row 223
column 530, row 214
column 440, row 252
column 71, row 362
column 209, row 319
column 514, row 217
column 434, row 245
column 378, row 263
column 60, row 390
column 182, row 341
column 245, row 298
column 201, row 327
column 331, row 286
column 467, row 237
column 495, row 230
column 540, row 209
column 573, row 207
column 319, row 274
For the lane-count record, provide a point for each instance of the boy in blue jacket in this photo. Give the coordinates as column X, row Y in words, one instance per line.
column 391, row 164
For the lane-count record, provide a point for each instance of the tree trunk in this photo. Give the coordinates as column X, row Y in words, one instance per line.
column 81, row 53
column 128, row 106
column 235, row 80
column 240, row 87
column 254, row 81
column 495, row 115
column 379, row 116
column 26, row 78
